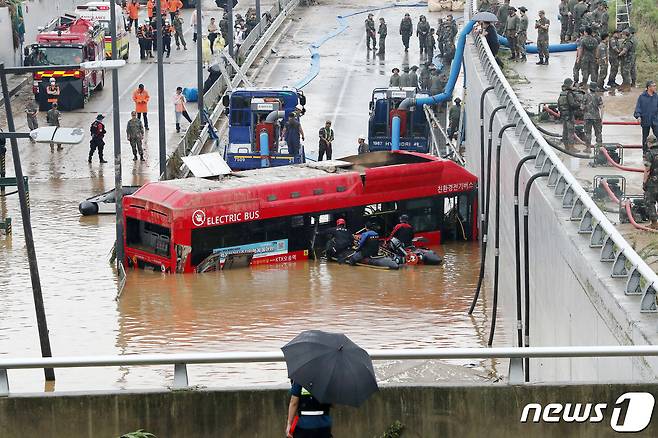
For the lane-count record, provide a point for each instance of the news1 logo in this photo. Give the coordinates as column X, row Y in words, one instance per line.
column 631, row 413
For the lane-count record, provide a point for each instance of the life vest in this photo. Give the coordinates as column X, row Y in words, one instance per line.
column 310, row 406
column 404, row 232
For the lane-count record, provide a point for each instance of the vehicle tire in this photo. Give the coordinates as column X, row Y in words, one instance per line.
column 101, row 84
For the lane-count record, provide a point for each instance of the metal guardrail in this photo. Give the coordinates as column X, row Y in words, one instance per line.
column 181, row 361
column 624, row 262
column 436, row 144
column 196, row 136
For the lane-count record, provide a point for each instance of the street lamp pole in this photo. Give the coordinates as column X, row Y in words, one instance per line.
column 161, row 107
column 199, row 62
column 258, row 10
column 229, row 37
column 42, row 324
column 116, row 122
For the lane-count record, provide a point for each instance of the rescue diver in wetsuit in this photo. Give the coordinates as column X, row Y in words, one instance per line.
column 340, row 239
column 403, row 231
column 368, row 245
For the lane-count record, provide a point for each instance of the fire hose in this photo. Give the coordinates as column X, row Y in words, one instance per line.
column 613, row 163
column 561, row 149
column 627, row 206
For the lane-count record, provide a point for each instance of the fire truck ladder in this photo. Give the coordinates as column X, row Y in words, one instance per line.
column 623, row 14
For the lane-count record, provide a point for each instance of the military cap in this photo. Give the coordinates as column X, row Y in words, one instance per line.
column 523, row 9
column 593, row 86
column 568, row 82
column 395, row 70
column 405, row 68
column 652, row 141
column 414, row 67
column 512, row 9
column 458, row 100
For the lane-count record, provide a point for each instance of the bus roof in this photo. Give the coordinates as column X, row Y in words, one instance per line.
column 375, row 174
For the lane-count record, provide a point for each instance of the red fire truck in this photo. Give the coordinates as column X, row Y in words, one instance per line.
column 65, row 41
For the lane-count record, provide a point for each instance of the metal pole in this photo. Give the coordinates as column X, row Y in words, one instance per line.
column 42, row 324
column 229, row 37
column 258, row 10
column 162, row 142
column 116, row 122
column 199, row 60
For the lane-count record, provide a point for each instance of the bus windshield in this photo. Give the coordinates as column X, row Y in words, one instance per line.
column 56, row 55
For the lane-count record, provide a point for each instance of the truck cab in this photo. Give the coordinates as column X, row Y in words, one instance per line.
column 414, row 127
column 258, row 115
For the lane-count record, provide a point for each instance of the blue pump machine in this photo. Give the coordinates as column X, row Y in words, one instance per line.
column 386, row 118
column 256, row 120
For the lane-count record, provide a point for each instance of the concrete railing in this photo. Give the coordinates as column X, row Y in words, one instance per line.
column 181, row 361
column 624, row 261
column 196, row 136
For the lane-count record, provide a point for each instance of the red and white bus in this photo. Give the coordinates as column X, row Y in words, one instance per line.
column 274, row 213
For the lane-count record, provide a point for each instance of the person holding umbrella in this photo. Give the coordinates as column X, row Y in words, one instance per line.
column 338, row 372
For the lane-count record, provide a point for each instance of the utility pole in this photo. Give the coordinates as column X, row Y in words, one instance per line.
column 229, row 37
column 116, row 122
column 162, row 141
column 42, row 324
column 258, row 10
column 199, row 63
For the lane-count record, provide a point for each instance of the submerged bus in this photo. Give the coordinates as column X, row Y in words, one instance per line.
column 274, row 214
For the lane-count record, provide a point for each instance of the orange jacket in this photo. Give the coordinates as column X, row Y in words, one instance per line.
column 175, row 5
column 149, row 8
column 133, row 10
column 164, row 6
column 141, row 100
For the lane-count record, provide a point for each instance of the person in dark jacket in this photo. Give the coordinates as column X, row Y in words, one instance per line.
column 307, row 416
column 403, row 231
column 646, row 110
column 489, row 32
column 97, row 133
column 340, row 239
column 368, row 245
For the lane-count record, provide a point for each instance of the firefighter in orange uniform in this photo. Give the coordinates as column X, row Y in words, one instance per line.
column 133, row 14
column 149, row 9
column 141, row 98
column 174, row 6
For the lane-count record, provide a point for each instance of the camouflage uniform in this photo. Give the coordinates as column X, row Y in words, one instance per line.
column 602, row 60
column 626, row 60
column 453, row 118
column 579, row 11
column 406, row 30
column 542, row 39
column 614, row 47
column 592, row 114
column 633, row 59
column 588, row 65
column 572, row 32
column 503, row 12
column 511, row 29
column 522, row 35
column 178, row 28
column 422, row 30
column 650, row 185
column 564, row 21
column 567, row 105
column 370, row 33
column 382, row 31
column 135, row 134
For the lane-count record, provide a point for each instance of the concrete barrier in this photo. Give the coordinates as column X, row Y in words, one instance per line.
column 426, row 411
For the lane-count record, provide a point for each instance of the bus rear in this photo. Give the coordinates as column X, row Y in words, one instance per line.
column 148, row 236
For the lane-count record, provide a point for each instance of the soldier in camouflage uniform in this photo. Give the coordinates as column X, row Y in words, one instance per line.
column 453, row 118
column 602, row 60
column 422, row 30
column 135, row 134
column 650, row 182
column 503, row 12
column 542, row 26
column 406, row 30
column 564, row 21
column 588, row 65
column 579, row 11
column 626, row 60
column 633, row 57
column 567, row 105
column 592, row 114
column 572, row 33
column 382, row 31
column 614, row 47
column 511, row 29
column 371, row 34
column 576, row 64
column 522, row 34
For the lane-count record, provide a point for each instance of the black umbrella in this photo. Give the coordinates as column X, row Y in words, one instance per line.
column 331, row 367
column 485, row 16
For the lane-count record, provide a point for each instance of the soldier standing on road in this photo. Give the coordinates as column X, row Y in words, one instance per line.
column 614, row 47
column 135, row 134
column 406, row 30
column 503, row 12
column 602, row 60
column 97, row 130
column 405, row 79
column 422, row 30
column 413, row 77
column 430, row 45
column 542, row 26
column 626, row 60
column 567, row 105
column 53, row 117
column 511, row 30
column 564, row 21
column 382, row 31
column 326, row 139
column 395, row 78
column 650, row 181
column 451, row 29
column 177, row 23
column 592, row 114
column 453, row 118
column 141, row 98
column 424, row 76
column 370, row 33
column 588, row 65
column 522, row 34
column 31, row 111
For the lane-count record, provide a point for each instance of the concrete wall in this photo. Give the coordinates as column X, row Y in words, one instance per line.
column 443, row 411
column 573, row 299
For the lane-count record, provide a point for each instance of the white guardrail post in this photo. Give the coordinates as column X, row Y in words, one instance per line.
column 614, row 249
column 181, row 361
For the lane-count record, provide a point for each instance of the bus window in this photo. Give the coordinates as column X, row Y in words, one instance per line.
column 424, row 213
column 148, row 237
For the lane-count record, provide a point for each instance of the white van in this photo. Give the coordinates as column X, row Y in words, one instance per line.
column 100, row 11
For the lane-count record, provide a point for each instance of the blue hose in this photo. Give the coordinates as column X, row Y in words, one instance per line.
column 265, row 148
column 395, row 133
column 552, row 48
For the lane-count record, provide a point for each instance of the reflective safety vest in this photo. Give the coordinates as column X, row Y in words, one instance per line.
column 310, row 406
